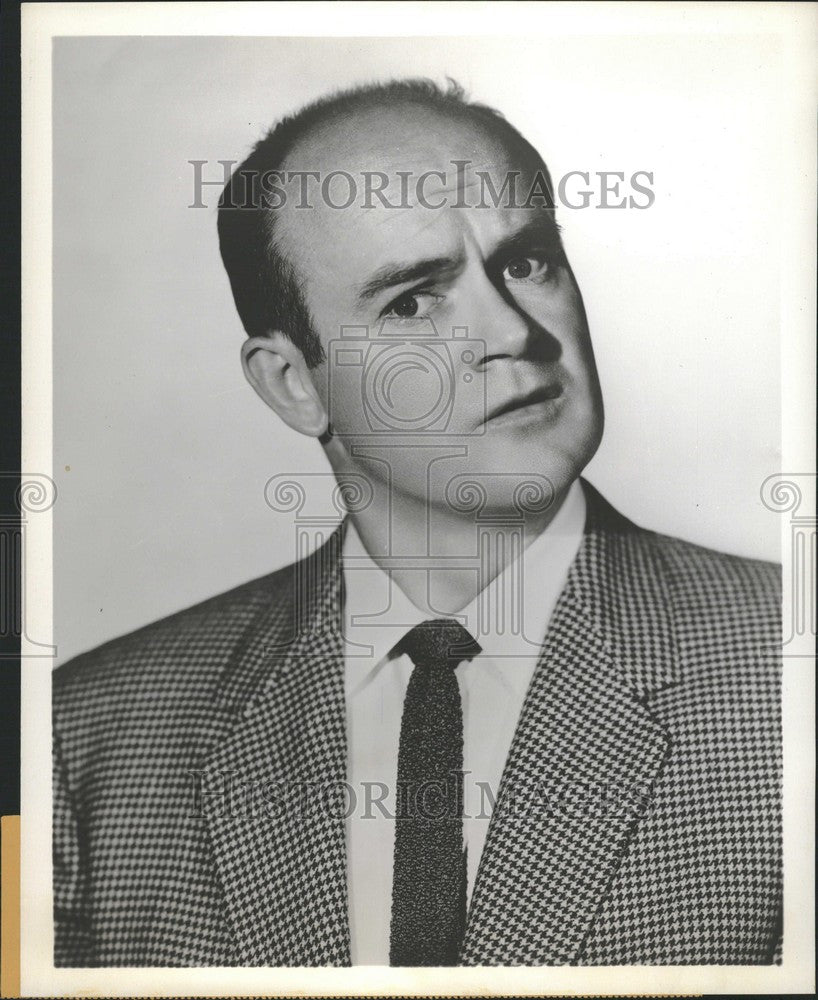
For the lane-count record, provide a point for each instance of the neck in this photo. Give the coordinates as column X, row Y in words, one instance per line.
column 440, row 557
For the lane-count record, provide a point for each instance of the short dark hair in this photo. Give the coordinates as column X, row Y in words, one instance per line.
column 266, row 289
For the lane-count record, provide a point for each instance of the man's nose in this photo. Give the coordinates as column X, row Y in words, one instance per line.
column 507, row 331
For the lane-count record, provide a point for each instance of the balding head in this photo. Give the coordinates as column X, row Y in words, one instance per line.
column 439, row 307
column 358, row 127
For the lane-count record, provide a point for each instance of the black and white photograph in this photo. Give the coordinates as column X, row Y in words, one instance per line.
column 418, row 407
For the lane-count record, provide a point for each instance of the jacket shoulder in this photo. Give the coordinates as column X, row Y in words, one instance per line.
column 680, row 571
column 705, row 577
column 726, row 613
column 720, row 608
column 188, row 648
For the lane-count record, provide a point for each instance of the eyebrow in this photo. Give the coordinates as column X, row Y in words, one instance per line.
column 541, row 233
column 392, row 275
column 541, row 230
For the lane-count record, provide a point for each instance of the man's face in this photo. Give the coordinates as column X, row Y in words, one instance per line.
column 456, row 340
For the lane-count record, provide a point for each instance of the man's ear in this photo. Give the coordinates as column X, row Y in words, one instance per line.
column 276, row 369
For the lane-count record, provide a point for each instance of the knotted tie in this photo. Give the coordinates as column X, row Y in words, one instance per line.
column 429, row 872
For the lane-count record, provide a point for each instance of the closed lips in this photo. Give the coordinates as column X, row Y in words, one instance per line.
column 530, row 399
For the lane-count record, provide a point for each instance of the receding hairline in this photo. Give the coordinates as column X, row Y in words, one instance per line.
column 266, row 287
column 481, row 120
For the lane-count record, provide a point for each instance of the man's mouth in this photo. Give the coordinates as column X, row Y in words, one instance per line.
column 524, row 402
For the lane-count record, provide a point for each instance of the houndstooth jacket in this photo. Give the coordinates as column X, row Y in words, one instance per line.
column 638, row 820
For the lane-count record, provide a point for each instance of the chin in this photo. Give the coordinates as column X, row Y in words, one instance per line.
column 510, row 481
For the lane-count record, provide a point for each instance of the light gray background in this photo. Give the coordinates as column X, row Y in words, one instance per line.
column 161, row 450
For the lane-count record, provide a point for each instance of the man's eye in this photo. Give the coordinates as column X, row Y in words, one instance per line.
column 527, row 269
column 412, row 305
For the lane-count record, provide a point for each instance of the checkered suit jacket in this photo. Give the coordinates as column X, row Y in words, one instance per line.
column 643, row 778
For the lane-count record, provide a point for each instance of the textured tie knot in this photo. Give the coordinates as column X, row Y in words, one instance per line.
column 440, row 642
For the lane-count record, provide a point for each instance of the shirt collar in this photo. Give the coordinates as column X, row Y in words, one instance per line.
column 508, row 618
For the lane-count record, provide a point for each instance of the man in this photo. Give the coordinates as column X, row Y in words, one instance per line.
column 488, row 720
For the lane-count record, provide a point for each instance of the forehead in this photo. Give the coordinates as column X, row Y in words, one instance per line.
column 331, row 245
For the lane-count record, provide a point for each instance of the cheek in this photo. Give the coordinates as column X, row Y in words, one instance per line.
column 571, row 311
column 572, row 326
column 557, row 308
column 344, row 405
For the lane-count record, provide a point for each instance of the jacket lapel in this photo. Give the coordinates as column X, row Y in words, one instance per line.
column 584, row 758
column 278, row 840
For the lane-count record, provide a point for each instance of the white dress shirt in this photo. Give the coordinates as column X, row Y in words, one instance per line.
column 509, row 620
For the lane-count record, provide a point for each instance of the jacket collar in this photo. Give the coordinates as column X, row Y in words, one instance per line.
column 584, row 759
column 621, row 582
column 280, row 845
column 586, row 741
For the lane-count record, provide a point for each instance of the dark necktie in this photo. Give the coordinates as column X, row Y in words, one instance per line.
column 429, row 872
